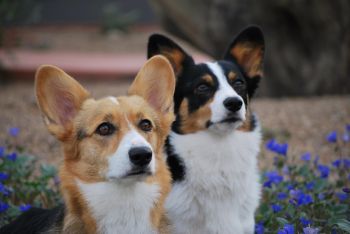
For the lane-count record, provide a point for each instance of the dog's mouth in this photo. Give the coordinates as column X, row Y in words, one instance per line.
column 229, row 119
column 139, row 172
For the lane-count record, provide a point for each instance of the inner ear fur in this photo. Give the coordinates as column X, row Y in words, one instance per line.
column 161, row 45
column 155, row 82
column 247, row 50
column 59, row 97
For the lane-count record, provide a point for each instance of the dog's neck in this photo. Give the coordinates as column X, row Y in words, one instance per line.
column 108, row 207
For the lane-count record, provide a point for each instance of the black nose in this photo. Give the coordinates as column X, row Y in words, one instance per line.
column 233, row 104
column 140, row 156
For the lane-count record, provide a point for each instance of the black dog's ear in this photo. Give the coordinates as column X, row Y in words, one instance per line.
column 159, row 44
column 247, row 50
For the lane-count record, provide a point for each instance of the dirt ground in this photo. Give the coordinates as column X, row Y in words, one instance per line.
column 302, row 122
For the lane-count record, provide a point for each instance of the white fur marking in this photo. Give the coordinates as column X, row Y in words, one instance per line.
column 121, row 208
column 218, row 110
column 114, row 100
column 221, row 189
column 119, row 162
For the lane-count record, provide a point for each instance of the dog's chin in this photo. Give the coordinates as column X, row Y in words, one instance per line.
column 226, row 125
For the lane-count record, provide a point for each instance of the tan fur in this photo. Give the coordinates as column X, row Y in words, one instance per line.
column 85, row 152
column 196, row 121
column 231, row 76
column 250, row 57
column 209, row 79
column 176, row 57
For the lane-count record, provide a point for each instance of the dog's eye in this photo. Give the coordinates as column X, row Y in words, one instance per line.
column 145, row 125
column 105, row 129
column 202, row 88
column 238, row 84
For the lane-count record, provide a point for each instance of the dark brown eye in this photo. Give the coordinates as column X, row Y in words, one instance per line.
column 238, row 84
column 145, row 125
column 105, row 129
column 202, row 89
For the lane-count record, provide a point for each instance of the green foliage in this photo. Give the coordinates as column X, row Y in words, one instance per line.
column 306, row 196
column 23, row 184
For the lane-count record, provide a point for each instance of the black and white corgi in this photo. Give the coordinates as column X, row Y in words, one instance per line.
column 213, row 146
column 114, row 177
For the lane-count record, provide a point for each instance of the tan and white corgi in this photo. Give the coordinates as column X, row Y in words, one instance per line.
column 114, row 177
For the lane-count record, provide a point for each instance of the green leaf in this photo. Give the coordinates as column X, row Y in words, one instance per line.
column 281, row 220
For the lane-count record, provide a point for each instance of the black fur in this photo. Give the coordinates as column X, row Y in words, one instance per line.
column 175, row 163
column 36, row 221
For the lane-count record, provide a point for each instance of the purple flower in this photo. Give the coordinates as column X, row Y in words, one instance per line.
column 283, row 149
column 14, row 132
column 282, row 196
column 336, row 163
column 273, row 146
column 305, row 222
column 267, row 184
column 259, row 228
column 3, row 176
column 346, row 163
column 3, row 206
column 332, row 137
column 287, row 229
column 24, row 207
column 273, row 178
column 285, row 170
column 342, row 196
column 12, row 156
column 310, row 230
column 321, row 196
column 346, row 137
column 347, row 127
column 310, row 185
column 2, row 151
column 5, row 191
column 306, row 157
column 276, row 208
column 324, row 171
column 300, row 198
column 290, row 187
column 270, row 145
column 346, row 190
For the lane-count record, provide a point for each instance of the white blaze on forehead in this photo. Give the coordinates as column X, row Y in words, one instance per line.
column 119, row 162
column 218, row 110
column 113, row 99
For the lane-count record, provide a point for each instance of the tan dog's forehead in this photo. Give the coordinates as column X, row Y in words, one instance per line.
column 118, row 110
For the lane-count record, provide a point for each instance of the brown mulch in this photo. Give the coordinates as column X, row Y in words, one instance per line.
column 302, row 122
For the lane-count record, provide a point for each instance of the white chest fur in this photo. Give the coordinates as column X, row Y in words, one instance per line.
column 221, row 188
column 121, row 208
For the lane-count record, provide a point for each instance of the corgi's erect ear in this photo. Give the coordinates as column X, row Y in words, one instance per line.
column 59, row 97
column 247, row 49
column 161, row 45
column 155, row 82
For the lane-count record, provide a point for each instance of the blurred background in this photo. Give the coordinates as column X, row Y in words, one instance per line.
column 303, row 96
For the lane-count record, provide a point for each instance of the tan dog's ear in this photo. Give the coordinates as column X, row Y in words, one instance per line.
column 155, row 82
column 59, row 97
column 247, row 49
column 161, row 45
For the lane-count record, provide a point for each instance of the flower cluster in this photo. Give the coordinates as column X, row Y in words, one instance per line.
column 307, row 196
column 21, row 186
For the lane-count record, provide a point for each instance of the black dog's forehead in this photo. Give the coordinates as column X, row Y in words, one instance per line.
column 228, row 67
column 195, row 73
